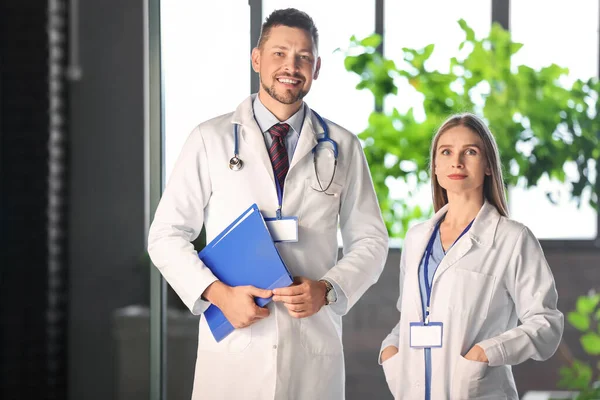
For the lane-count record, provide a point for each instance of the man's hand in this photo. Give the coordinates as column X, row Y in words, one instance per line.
column 388, row 353
column 476, row 354
column 237, row 303
column 303, row 299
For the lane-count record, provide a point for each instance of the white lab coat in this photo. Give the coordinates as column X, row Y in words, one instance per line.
column 279, row 357
column 495, row 275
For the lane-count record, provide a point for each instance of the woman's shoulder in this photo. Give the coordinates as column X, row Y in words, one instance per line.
column 418, row 230
column 511, row 226
column 513, row 231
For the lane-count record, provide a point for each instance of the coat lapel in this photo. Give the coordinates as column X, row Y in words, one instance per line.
column 482, row 233
column 251, row 135
column 311, row 128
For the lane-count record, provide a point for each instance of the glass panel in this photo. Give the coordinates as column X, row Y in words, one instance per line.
column 203, row 78
column 206, row 73
column 575, row 46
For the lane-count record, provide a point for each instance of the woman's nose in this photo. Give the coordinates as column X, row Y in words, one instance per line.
column 458, row 162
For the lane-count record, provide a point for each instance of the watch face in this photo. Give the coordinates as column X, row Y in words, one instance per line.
column 331, row 297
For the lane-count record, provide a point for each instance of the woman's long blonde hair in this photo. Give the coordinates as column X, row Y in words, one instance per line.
column 493, row 185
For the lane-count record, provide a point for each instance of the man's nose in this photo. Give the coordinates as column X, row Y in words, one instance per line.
column 291, row 63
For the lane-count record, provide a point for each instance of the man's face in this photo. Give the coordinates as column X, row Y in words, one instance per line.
column 287, row 62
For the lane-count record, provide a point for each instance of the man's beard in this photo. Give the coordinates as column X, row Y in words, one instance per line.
column 287, row 97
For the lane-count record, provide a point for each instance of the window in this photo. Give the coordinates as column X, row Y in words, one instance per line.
column 205, row 65
column 566, row 33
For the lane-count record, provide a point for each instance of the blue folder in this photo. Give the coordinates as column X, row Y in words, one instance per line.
column 243, row 254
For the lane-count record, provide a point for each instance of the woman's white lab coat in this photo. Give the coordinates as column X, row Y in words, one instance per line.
column 495, row 275
column 279, row 357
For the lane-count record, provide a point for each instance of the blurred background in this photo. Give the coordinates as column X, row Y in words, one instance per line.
column 97, row 98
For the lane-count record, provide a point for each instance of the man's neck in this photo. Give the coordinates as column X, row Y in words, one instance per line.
column 281, row 111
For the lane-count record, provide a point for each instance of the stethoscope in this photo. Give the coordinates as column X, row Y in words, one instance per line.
column 236, row 163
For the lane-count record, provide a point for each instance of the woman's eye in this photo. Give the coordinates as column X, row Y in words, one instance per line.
column 471, row 152
column 445, row 152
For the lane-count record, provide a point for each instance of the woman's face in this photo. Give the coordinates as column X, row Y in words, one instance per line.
column 460, row 161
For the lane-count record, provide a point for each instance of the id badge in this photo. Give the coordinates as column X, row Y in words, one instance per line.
column 426, row 336
column 284, row 229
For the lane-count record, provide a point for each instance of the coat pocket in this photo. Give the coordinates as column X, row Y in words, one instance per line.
column 468, row 379
column 472, row 293
column 236, row 342
column 474, row 380
column 391, row 370
column 320, row 210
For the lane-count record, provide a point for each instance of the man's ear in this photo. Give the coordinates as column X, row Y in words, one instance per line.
column 256, row 59
column 317, row 68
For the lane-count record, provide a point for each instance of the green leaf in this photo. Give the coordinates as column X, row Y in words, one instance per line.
column 575, row 377
column 587, row 304
column 470, row 33
column 591, row 343
column 579, row 321
column 371, row 41
column 515, row 47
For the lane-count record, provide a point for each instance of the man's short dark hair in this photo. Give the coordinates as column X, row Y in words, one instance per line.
column 292, row 18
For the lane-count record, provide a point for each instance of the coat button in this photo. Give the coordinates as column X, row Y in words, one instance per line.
column 274, row 347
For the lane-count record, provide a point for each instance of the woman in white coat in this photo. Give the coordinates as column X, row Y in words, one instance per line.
column 467, row 276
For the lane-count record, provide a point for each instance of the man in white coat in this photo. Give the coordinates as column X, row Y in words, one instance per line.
column 292, row 348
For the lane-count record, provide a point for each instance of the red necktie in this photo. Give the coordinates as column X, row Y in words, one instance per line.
column 278, row 152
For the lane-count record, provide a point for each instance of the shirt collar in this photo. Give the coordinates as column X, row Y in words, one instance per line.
column 265, row 118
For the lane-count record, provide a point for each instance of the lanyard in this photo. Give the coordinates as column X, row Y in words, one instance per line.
column 428, row 252
column 279, row 198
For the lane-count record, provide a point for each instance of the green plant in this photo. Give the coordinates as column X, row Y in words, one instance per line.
column 579, row 375
column 540, row 123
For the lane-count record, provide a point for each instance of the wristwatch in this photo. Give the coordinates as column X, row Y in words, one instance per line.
column 330, row 295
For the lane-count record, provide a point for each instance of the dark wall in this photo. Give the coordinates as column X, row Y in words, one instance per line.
column 107, row 189
column 23, row 200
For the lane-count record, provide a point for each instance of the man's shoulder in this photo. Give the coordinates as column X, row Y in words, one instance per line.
column 341, row 135
column 216, row 123
column 337, row 129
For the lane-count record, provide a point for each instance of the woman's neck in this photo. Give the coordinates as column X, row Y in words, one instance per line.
column 462, row 209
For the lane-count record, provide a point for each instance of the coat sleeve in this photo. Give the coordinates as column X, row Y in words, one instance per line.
column 363, row 232
column 531, row 285
column 178, row 221
column 393, row 339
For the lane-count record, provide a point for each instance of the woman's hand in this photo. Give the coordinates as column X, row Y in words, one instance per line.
column 475, row 354
column 388, row 353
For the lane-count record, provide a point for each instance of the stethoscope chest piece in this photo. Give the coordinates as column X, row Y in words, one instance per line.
column 236, row 163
